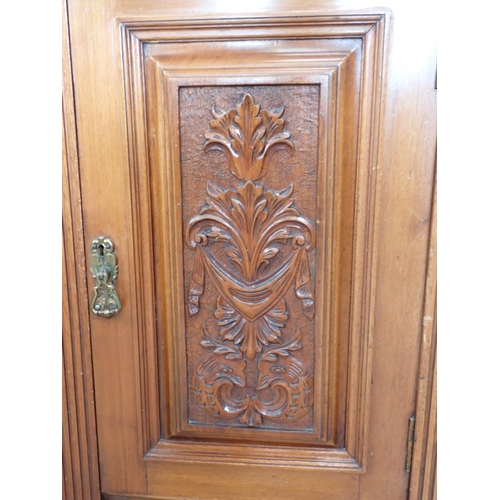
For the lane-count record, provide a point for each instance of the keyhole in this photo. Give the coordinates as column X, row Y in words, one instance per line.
column 101, row 249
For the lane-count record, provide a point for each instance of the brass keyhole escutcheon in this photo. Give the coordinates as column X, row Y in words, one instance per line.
column 104, row 267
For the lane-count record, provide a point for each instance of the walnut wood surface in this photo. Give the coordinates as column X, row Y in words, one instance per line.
column 142, row 184
column 423, row 471
column 80, row 466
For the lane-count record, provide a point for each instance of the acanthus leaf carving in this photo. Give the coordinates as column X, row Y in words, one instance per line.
column 247, row 138
column 224, row 368
column 254, row 226
column 251, row 223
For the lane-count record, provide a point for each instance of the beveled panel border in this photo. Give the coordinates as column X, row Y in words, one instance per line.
column 324, row 392
column 330, row 423
column 301, row 67
column 370, row 29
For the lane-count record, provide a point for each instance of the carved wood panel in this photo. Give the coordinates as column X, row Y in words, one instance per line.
column 248, row 252
column 254, row 212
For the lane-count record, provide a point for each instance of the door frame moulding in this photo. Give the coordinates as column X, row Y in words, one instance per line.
column 80, row 450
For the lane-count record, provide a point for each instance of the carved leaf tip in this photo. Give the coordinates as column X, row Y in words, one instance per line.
column 216, row 112
column 214, row 191
column 251, row 416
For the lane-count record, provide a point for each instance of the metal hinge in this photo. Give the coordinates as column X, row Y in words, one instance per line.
column 409, row 444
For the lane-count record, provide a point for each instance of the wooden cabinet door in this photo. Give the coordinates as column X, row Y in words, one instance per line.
column 265, row 175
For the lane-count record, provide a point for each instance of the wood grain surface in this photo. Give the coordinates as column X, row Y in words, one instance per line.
column 154, row 88
column 80, row 465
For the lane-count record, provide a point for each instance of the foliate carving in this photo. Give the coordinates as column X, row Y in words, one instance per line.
column 253, row 227
column 251, row 223
column 224, row 368
column 247, row 138
column 216, row 374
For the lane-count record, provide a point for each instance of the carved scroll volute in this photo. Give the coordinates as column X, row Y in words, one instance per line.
column 253, row 225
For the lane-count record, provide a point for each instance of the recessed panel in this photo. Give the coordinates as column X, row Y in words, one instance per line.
column 247, row 179
column 249, row 164
column 258, row 186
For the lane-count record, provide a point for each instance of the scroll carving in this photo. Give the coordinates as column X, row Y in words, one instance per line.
column 252, row 226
